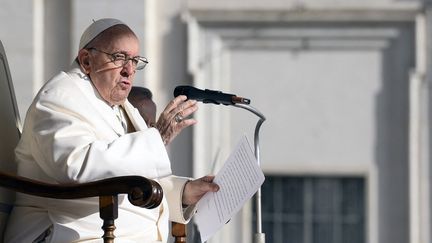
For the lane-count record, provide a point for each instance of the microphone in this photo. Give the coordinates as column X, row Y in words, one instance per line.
column 209, row 96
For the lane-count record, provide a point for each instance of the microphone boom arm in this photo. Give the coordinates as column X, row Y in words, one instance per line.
column 259, row 236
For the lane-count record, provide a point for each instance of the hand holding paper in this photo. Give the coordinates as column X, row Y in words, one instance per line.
column 239, row 179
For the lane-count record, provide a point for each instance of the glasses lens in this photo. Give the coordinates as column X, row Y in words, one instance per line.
column 140, row 63
column 119, row 59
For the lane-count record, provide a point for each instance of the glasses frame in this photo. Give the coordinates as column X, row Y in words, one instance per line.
column 113, row 58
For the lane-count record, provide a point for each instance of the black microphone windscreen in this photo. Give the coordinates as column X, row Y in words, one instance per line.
column 209, row 96
column 181, row 90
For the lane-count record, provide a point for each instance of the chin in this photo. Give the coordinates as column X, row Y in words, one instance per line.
column 118, row 100
column 119, row 96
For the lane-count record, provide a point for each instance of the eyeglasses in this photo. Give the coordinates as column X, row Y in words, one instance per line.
column 120, row 59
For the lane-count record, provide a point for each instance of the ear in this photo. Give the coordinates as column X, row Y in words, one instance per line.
column 84, row 60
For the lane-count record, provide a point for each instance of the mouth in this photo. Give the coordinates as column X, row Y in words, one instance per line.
column 125, row 83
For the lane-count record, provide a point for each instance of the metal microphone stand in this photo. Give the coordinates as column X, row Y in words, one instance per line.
column 259, row 236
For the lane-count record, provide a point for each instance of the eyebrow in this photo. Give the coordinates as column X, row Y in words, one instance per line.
column 125, row 53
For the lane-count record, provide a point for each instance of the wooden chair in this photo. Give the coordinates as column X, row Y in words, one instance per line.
column 141, row 191
column 178, row 231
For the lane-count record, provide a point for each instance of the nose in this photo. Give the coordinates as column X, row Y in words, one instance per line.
column 128, row 69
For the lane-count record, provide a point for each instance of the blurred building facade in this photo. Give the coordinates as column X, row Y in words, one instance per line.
column 344, row 86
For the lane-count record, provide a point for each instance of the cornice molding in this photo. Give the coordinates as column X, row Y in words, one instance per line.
column 363, row 14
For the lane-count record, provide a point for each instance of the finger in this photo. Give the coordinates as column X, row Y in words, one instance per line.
column 188, row 103
column 208, row 178
column 182, row 125
column 210, row 185
column 183, row 106
column 183, row 112
column 169, row 112
column 174, row 103
column 187, row 111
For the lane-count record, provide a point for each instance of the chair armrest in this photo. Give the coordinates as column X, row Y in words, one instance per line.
column 141, row 191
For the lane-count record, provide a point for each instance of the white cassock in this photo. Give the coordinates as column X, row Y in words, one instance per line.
column 71, row 135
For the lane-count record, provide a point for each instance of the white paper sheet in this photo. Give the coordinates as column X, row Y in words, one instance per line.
column 239, row 179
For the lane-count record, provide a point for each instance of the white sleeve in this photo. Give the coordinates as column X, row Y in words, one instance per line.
column 173, row 190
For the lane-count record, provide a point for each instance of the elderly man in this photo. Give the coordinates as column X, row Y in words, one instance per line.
column 80, row 128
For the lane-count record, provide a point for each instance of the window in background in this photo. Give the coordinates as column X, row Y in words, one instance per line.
column 313, row 209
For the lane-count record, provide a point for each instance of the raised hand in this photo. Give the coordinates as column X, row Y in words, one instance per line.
column 174, row 118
